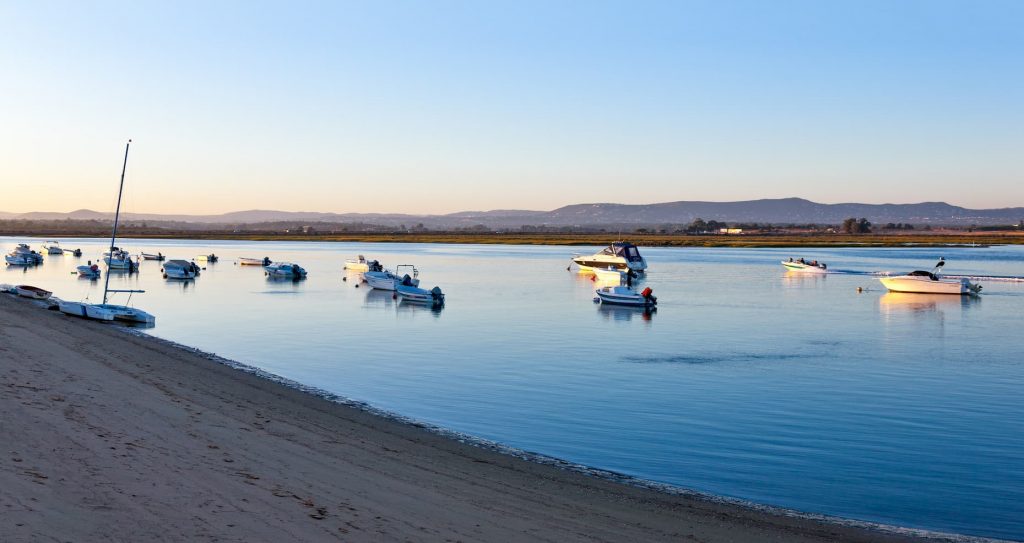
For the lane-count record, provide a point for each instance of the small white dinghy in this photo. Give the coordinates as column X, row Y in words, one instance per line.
column 36, row 293
column 90, row 271
column 622, row 295
column 159, row 257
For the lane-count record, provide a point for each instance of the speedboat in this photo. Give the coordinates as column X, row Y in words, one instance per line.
column 622, row 295
column 159, row 257
column 53, row 248
column 358, row 264
column 804, row 266
column 930, row 282
column 409, row 293
column 265, row 261
column 180, row 269
column 208, row 258
column 285, row 270
column 619, row 255
column 35, row 293
column 386, row 280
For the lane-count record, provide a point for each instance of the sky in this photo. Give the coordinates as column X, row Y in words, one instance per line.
column 441, row 106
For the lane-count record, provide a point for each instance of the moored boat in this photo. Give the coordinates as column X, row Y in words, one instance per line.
column 180, row 269
column 23, row 255
column 53, row 248
column 159, row 257
column 622, row 295
column 90, row 271
column 619, row 255
column 409, row 293
column 358, row 264
column 805, row 266
column 285, row 270
column 36, row 293
column 265, row 261
column 211, row 258
column 386, row 280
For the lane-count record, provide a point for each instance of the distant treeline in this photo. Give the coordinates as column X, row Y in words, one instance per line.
column 284, row 229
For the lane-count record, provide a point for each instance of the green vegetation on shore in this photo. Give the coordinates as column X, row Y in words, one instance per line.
column 930, row 239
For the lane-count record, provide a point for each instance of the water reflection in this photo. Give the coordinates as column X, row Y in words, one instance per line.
column 892, row 303
column 625, row 313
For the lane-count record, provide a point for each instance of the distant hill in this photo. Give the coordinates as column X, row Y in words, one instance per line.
column 773, row 211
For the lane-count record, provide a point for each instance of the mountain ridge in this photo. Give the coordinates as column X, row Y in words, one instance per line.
column 791, row 210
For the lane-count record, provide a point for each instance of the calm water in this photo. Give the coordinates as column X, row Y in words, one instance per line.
column 748, row 382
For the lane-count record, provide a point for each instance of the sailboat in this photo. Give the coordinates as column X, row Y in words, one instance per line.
column 106, row 311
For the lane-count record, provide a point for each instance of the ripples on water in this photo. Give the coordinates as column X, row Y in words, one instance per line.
column 747, row 382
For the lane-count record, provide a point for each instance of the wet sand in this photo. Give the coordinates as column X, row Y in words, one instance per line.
column 109, row 436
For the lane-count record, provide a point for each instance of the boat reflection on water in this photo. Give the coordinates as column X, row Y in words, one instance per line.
column 625, row 313
column 379, row 298
column 803, row 279
column 892, row 303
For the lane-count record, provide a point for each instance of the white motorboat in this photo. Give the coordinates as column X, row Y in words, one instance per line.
column 180, row 269
column 265, row 261
column 609, row 275
column 211, row 258
column 285, row 270
column 23, row 255
column 804, row 266
column 35, row 293
column 53, row 248
column 159, row 257
column 386, row 280
column 409, row 293
column 358, row 264
column 622, row 295
column 105, row 311
column 619, row 255
column 925, row 282
column 14, row 259
column 90, row 271
column 119, row 259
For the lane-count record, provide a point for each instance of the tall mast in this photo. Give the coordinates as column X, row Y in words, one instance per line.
column 117, row 215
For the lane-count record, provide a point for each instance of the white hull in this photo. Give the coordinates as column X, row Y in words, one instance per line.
column 35, row 293
column 803, row 268
column 147, row 256
column 624, row 296
column 420, row 296
column 251, row 262
column 615, row 277
column 87, row 271
column 352, row 265
column 86, row 311
column 926, row 285
column 284, row 270
column 386, row 280
column 19, row 260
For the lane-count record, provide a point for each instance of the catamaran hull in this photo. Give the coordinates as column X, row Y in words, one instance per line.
column 926, row 285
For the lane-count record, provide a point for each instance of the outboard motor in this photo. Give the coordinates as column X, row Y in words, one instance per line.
column 266, row 261
column 437, row 295
column 649, row 296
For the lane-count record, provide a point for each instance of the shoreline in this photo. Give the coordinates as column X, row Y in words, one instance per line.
column 760, row 241
column 512, row 494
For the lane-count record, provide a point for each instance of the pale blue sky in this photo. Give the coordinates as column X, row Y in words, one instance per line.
column 432, row 107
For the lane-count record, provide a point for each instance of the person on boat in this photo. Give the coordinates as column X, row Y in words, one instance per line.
column 160, row 256
column 801, row 260
column 790, row 259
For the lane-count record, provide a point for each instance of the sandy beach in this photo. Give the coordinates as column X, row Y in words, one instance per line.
column 110, row 436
